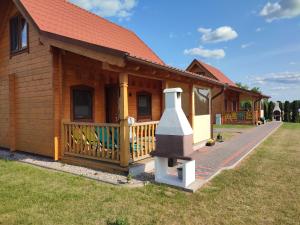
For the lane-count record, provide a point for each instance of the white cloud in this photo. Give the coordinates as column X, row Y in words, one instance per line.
column 205, row 53
column 247, row 45
column 279, row 85
column 259, row 29
column 283, row 9
column 220, row 34
column 121, row 9
column 278, row 78
column 292, row 63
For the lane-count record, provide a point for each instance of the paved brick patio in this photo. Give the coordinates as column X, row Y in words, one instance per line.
column 210, row 160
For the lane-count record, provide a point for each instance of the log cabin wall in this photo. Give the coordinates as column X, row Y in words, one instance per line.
column 231, row 97
column 79, row 70
column 33, row 93
column 154, row 87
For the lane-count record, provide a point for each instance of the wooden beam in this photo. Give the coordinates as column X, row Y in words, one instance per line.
column 192, row 105
column 85, row 51
column 12, row 112
column 124, row 128
column 57, row 107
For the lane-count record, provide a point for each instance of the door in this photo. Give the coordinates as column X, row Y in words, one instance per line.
column 112, row 103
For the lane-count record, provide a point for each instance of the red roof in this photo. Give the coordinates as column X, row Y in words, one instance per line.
column 66, row 19
column 218, row 74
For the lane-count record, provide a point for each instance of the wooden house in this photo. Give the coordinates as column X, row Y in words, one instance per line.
column 228, row 101
column 70, row 81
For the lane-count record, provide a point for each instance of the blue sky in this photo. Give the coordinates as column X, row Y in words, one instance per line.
column 255, row 42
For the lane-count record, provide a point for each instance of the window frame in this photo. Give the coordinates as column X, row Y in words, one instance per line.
column 144, row 117
column 20, row 50
column 208, row 98
column 72, row 111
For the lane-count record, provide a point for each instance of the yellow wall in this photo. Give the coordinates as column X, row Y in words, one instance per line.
column 201, row 128
column 185, row 101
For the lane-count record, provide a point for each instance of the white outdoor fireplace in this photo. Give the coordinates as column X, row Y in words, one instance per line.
column 174, row 139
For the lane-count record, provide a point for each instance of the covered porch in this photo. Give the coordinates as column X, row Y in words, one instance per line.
column 108, row 114
column 241, row 107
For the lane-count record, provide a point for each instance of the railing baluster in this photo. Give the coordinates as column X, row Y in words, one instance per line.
column 113, row 143
column 137, row 147
column 103, row 141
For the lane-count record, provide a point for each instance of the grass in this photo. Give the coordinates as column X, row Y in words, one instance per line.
column 263, row 190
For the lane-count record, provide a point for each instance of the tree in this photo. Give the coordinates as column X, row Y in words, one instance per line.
column 295, row 106
column 246, row 105
column 281, row 106
column 270, row 110
column 256, row 90
column 287, row 111
column 243, row 86
column 266, row 109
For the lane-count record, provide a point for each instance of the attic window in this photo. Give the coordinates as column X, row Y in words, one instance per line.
column 18, row 35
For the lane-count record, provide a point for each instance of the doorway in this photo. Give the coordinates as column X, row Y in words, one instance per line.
column 112, row 103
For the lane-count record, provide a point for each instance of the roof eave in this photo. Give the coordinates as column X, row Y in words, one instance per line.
column 174, row 70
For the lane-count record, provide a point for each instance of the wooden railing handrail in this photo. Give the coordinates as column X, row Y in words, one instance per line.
column 144, row 123
column 92, row 124
column 98, row 141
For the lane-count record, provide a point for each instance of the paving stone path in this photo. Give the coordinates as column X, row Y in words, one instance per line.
column 211, row 160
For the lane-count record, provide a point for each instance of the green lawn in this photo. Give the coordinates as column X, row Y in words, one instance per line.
column 265, row 189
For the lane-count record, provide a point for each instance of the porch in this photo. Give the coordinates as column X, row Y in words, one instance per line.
column 240, row 117
column 101, row 141
column 241, row 108
column 109, row 114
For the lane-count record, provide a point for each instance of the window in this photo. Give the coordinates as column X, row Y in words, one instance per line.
column 82, row 100
column 18, row 34
column 202, row 98
column 144, row 105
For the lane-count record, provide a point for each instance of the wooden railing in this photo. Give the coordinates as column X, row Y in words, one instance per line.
column 91, row 141
column 240, row 117
column 142, row 139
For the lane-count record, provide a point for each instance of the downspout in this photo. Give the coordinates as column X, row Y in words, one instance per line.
column 224, row 87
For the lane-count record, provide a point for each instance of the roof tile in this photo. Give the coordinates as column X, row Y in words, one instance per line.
column 63, row 18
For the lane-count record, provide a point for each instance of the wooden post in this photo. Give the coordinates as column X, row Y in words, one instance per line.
column 165, row 85
column 124, row 128
column 57, row 88
column 192, row 105
column 253, row 112
column 211, row 115
column 12, row 112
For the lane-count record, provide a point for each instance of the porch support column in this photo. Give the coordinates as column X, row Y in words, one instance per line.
column 57, row 88
column 124, row 128
column 192, row 105
column 165, row 85
column 12, row 112
column 253, row 112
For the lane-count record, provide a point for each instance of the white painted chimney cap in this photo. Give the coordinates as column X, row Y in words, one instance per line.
column 172, row 90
